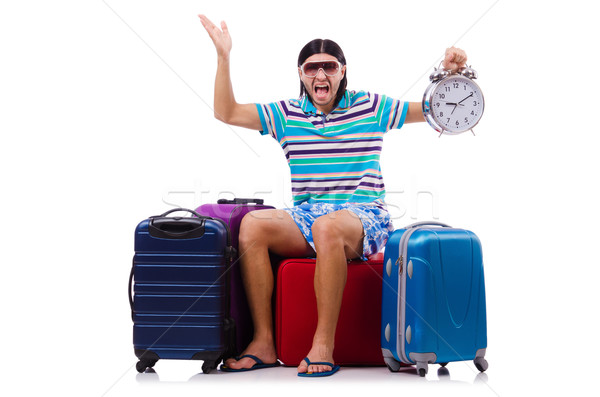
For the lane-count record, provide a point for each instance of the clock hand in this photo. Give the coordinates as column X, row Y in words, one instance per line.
column 455, row 105
column 466, row 98
column 452, row 103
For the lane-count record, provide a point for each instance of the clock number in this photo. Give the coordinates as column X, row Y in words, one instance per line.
column 442, row 96
column 447, row 89
column 466, row 120
column 457, row 123
column 441, row 114
column 448, row 118
column 474, row 103
column 455, row 85
column 472, row 113
column 437, row 104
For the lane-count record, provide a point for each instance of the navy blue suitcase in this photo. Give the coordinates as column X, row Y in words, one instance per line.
column 433, row 302
column 180, row 296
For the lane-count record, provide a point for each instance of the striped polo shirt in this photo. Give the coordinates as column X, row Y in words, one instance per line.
column 334, row 158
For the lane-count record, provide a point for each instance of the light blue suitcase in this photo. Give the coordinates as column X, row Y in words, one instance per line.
column 433, row 304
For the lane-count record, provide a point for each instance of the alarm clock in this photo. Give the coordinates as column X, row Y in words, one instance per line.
column 453, row 103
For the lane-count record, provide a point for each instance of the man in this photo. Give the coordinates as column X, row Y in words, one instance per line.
column 332, row 139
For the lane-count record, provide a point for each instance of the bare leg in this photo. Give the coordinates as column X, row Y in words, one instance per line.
column 338, row 237
column 261, row 232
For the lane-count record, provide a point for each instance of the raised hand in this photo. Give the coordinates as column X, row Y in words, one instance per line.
column 220, row 37
column 454, row 59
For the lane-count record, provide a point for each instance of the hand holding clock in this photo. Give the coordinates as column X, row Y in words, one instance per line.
column 453, row 85
column 454, row 59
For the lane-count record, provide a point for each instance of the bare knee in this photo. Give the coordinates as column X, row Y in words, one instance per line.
column 338, row 232
column 253, row 230
column 327, row 234
column 272, row 230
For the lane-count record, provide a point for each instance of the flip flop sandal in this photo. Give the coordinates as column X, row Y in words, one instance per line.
column 259, row 364
column 334, row 369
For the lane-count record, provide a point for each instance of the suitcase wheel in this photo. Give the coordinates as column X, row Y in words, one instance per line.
column 393, row 365
column 481, row 364
column 208, row 366
column 422, row 368
column 142, row 365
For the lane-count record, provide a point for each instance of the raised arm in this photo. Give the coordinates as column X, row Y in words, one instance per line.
column 454, row 59
column 226, row 108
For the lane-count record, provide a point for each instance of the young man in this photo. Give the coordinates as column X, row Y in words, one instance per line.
column 332, row 139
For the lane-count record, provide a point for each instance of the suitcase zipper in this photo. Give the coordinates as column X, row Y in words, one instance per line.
column 403, row 251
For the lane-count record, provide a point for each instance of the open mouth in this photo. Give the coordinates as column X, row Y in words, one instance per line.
column 321, row 91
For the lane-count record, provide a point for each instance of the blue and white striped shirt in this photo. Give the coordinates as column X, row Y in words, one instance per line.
column 334, row 157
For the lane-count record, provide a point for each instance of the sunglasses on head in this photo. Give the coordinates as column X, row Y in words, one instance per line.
column 330, row 68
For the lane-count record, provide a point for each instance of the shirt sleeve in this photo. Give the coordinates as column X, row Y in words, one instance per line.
column 391, row 112
column 272, row 119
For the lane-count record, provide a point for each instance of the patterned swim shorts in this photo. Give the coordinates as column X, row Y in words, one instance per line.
column 374, row 217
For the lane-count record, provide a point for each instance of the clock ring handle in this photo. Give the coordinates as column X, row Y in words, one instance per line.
column 440, row 72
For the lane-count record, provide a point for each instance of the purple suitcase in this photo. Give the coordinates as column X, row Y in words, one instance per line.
column 232, row 212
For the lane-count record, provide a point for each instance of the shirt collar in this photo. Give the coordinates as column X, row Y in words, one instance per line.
column 308, row 108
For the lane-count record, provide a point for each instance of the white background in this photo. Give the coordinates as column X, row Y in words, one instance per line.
column 106, row 119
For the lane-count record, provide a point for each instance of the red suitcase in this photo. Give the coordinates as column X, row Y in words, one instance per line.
column 357, row 338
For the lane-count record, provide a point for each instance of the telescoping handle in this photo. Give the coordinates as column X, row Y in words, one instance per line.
column 241, row 201
column 426, row 223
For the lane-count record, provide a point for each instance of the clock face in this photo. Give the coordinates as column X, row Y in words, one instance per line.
column 456, row 104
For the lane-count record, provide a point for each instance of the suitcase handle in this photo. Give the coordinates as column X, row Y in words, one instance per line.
column 162, row 226
column 198, row 219
column 130, row 291
column 177, row 210
column 241, row 201
column 426, row 223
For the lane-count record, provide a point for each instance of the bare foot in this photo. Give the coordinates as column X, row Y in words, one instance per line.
column 318, row 352
column 263, row 350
